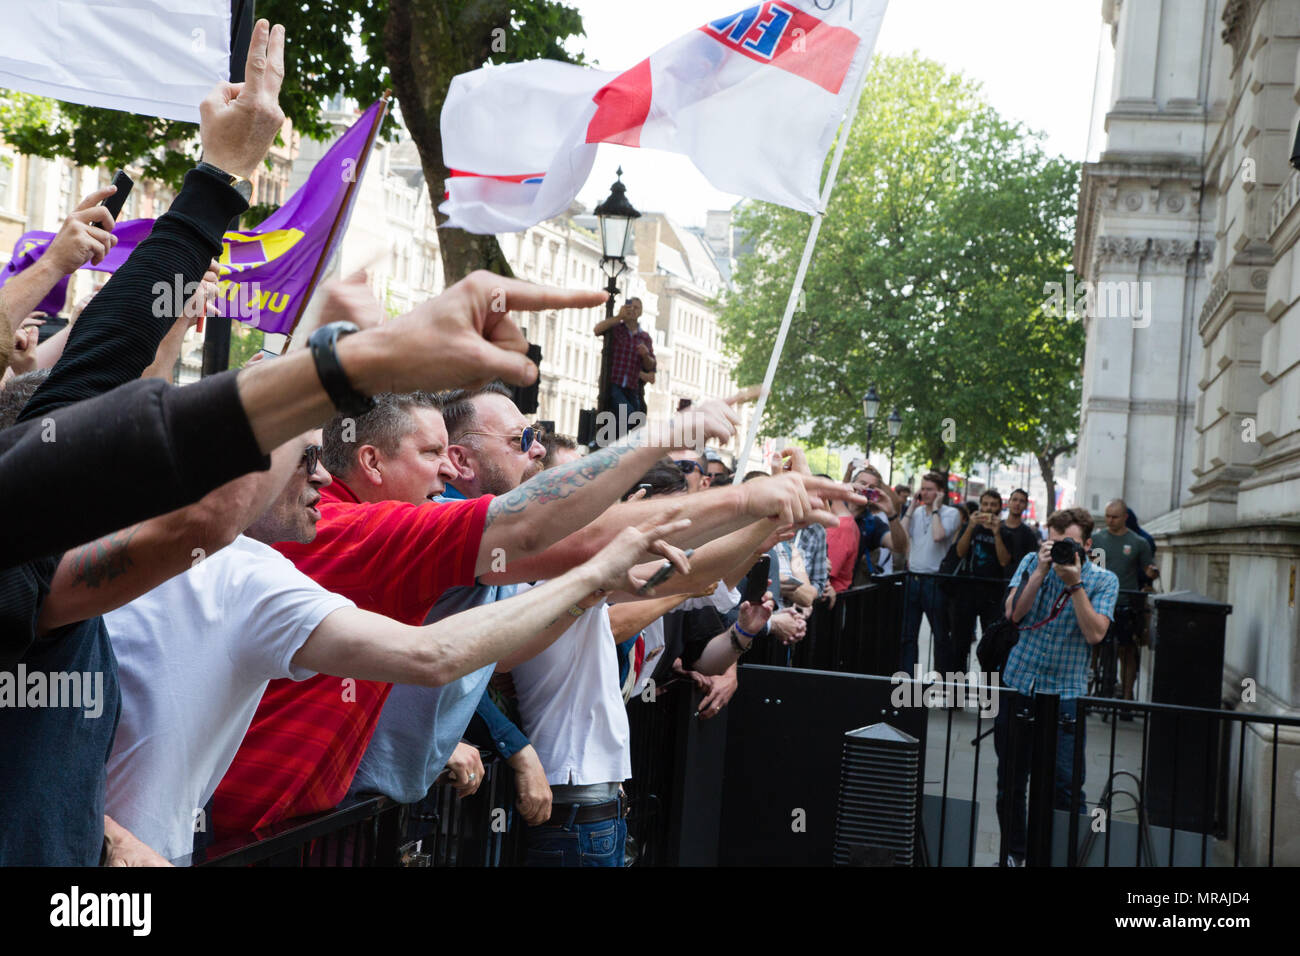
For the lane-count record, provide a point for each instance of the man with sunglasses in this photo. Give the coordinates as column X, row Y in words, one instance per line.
column 692, row 467
column 420, row 729
column 194, row 663
column 384, row 543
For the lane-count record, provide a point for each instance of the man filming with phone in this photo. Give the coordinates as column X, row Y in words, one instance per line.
column 1063, row 604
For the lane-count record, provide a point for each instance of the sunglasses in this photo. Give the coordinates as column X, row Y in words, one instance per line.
column 311, row 458
column 687, row 466
column 529, row 435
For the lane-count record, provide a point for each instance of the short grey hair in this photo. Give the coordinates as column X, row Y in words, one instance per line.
column 17, row 392
column 384, row 426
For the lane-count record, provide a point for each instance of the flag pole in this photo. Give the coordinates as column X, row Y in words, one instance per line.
column 845, row 129
column 344, row 208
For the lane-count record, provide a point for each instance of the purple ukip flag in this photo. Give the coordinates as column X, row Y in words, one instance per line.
column 267, row 273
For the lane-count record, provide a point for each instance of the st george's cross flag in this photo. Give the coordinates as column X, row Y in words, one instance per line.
column 753, row 98
column 154, row 57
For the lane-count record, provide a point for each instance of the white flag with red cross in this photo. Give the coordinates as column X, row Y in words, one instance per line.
column 753, row 98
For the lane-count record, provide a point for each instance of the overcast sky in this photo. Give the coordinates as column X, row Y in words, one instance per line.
column 1036, row 59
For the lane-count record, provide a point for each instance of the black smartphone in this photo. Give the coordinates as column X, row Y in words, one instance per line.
column 756, row 584
column 662, row 575
column 114, row 203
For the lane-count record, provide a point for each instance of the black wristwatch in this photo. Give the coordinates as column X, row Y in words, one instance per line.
column 239, row 183
column 332, row 377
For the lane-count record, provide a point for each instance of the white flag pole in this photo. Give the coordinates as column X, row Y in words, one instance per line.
column 846, row 128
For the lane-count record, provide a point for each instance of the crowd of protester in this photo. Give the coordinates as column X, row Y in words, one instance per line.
column 327, row 573
column 350, row 569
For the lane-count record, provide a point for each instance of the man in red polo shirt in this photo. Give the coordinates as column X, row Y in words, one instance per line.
column 382, row 543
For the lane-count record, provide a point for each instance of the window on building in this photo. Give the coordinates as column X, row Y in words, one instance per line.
column 8, row 179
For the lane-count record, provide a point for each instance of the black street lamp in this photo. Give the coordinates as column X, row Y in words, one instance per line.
column 870, row 405
column 615, row 216
column 895, row 423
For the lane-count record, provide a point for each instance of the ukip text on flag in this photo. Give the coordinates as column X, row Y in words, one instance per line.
column 267, row 273
column 753, row 98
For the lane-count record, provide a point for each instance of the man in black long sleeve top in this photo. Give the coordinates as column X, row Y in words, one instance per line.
column 151, row 448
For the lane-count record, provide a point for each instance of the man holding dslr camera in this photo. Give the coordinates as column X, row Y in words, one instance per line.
column 1064, row 604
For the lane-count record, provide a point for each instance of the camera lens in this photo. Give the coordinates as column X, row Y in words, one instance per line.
column 1063, row 552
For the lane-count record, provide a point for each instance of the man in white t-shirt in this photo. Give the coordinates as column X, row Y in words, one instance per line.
column 195, row 654
column 572, row 706
column 931, row 529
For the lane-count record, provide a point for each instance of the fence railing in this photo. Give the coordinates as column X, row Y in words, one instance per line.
column 1137, row 800
column 483, row 829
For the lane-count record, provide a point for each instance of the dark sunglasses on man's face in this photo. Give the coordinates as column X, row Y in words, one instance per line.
column 687, row 466
column 311, row 458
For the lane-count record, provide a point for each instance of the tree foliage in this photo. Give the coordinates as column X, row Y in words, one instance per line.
column 927, row 281
column 354, row 47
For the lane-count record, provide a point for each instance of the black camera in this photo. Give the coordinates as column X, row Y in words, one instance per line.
column 1063, row 552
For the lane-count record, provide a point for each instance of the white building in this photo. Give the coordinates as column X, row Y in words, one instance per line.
column 1192, row 401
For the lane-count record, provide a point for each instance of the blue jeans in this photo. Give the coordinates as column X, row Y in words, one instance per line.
column 578, row 844
column 625, row 401
column 923, row 594
column 1013, row 765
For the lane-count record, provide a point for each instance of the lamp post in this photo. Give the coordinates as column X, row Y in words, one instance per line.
column 895, row 423
column 870, row 405
column 615, row 216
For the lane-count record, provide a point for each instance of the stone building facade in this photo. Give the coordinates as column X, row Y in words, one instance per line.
column 1191, row 399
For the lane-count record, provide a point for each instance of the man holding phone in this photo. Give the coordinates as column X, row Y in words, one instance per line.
column 931, row 526
column 985, row 544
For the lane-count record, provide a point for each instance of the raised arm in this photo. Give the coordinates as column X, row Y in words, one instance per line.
column 116, row 337
column 560, row 500
column 85, row 236
column 106, row 574
column 722, row 653
column 355, row 643
column 717, row 512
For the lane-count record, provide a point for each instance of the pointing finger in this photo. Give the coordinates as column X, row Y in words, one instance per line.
column 745, row 395
column 95, row 198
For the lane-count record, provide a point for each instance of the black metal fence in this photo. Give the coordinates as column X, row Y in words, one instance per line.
column 483, row 829
column 1172, row 785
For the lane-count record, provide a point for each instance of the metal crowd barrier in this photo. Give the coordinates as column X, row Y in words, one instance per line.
column 483, row 829
column 1144, row 802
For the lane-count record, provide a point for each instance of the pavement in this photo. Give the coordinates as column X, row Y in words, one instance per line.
column 1110, row 747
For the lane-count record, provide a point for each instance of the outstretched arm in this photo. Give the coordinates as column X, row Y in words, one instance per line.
column 548, row 507
column 106, row 574
column 719, row 512
column 355, row 643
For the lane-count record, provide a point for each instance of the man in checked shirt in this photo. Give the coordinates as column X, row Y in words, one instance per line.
column 1063, row 610
column 631, row 363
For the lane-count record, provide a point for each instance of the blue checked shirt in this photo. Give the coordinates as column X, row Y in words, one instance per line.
column 812, row 542
column 1054, row 659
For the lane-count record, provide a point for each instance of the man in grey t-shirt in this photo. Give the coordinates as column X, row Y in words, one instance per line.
column 1129, row 556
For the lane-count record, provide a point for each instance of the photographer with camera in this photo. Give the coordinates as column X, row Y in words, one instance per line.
column 984, row 550
column 1063, row 604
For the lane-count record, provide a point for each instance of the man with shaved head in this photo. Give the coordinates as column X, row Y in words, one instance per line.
column 1129, row 556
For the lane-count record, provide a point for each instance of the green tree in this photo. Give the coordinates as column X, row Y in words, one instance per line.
column 245, row 342
column 927, row 281
column 357, row 47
